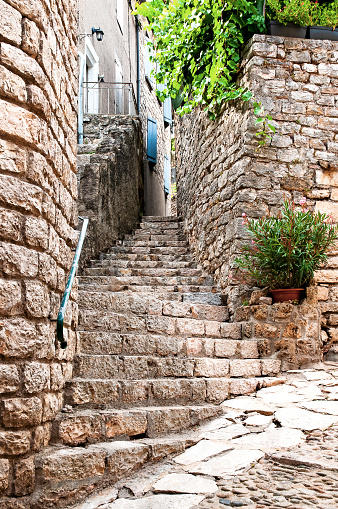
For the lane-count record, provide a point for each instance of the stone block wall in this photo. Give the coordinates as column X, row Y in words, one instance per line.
column 222, row 172
column 110, row 180
column 288, row 336
column 38, row 69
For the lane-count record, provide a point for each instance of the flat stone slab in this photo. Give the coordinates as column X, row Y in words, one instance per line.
column 228, row 464
column 201, row 451
column 306, row 458
column 317, row 375
column 158, row 502
column 185, row 483
column 305, row 420
column 247, row 404
column 280, row 396
column 271, row 440
column 234, row 431
column 324, row 407
column 258, row 420
column 221, row 422
column 105, row 497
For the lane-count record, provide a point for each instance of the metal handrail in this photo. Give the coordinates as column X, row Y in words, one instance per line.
column 69, row 285
column 112, row 85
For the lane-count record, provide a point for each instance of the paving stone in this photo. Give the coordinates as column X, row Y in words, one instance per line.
column 159, row 502
column 258, row 420
column 234, row 431
column 184, row 483
column 325, row 407
column 249, row 404
column 228, row 464
column 105, row 497
column 201, row 451
column 271, row 439
column 305, row 420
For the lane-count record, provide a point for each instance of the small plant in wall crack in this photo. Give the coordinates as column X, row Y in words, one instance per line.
column 264, row 121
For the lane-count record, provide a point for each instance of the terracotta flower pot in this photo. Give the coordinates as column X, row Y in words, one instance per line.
column 287, row 294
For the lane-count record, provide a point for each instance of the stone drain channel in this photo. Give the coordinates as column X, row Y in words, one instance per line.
column 276, row 448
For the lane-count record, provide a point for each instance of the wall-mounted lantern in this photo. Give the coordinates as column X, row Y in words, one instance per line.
column 99, row 33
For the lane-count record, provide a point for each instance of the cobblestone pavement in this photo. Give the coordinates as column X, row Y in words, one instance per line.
column 277, row 448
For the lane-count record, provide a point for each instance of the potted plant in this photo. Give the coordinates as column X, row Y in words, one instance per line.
column 288, row 18
column 285, row 250
column 324, row 21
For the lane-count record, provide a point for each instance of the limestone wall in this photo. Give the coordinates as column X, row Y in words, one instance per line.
column 222, row 173
column 110, row 180
column 38, row 69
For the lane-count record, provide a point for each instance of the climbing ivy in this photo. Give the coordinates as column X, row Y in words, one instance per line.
column 198, row 46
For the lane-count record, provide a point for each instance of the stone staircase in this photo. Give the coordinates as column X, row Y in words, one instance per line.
column 155, row 356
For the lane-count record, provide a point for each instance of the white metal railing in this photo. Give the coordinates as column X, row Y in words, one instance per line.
column 108, row 98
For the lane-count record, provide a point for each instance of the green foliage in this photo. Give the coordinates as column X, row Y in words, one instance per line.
column 264, row 120
column 285, row 250
column 304, row 12
column 290, row 11
column 198, row 46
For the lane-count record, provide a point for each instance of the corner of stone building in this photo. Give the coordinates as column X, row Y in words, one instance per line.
column 38, row 216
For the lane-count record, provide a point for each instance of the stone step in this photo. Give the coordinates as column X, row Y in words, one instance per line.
column 228, row 345
column 79, row 427
column 126, row 281
column 145, row 236
column 158, row 272
column 140, row 304
column 132, row 367
column 180, row 290
column 155, row 243
column 102, row 320
column 163, row 294
column 159, row 250
column 161, row 219
column 163, row 258
column 68, row 475
column 94, row 393
column 144, row 264
column 156, row 228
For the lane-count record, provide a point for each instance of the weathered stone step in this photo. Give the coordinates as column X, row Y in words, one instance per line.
column 179, row 290
column 164, row 294
column 163, row 258
column 159, row 250
column 155, row 243
column 145, row 236
column 134, row 367
column 144, row 264
column 123, row 282
column 228, row 345
column 116, row 393
column 140, row 304
column 70, row 474
column 159, row 272
column 161, row 219
column 90, row 426
column 102, row 320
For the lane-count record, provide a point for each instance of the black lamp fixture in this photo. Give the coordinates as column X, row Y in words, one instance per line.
column 99, row 33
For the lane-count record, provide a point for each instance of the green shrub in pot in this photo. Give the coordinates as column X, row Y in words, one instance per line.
column 285, row 250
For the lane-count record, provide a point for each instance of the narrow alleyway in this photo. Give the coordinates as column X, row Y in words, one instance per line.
column 274, row 449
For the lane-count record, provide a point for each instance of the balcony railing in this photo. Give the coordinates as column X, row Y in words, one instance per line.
column 108, row 98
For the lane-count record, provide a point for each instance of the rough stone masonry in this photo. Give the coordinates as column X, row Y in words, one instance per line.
column 38, row 188
column 222, row 173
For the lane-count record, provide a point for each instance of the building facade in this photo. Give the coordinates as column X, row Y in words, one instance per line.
column 116, row 79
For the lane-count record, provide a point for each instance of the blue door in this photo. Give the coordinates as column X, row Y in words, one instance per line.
column 152, row 141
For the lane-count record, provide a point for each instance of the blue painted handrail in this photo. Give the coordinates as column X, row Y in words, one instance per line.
column 65, row 298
